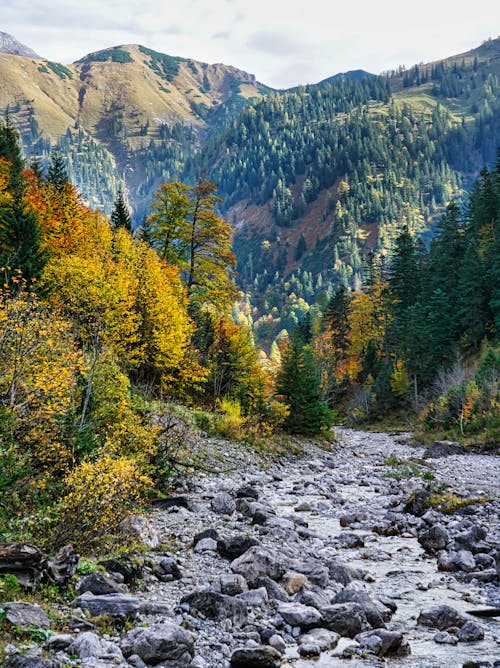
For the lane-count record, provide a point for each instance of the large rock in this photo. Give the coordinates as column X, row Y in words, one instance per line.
column 442, row 449
column 28, row 661
column 340, row 572
column 456, row 561
column 223, row 504
column 247, row 492
column 230, row 584
column 435, row 539
column 470, row 632
column 256, row 657
column 26, row 615
column 108, row 604
column 303, row 616
column 293, row 582
column 373, row 614
column 98, row 584
column 384, row 643
column 88, row 645
column 234, row 547
column 346, row 619
column 60, row 569
column 139, row 528
column 216, row 606
column 168, row 644
column 323, row 638
column 274, row 589
column 315, row 572
column 418, row 502
column 441, row 617
column 258, row 561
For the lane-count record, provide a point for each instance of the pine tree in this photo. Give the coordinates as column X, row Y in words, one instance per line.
column 57, row 176
column 20, row 242
column 120, row 216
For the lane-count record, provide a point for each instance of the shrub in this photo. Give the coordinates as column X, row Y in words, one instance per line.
column 230, row 422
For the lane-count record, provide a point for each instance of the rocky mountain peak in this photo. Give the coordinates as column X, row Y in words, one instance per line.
column 9, row 44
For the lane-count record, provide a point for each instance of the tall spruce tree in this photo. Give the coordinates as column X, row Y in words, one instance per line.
column 120, row 216
column 57, row 176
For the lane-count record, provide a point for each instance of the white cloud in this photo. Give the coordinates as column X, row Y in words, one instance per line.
column 283, row 44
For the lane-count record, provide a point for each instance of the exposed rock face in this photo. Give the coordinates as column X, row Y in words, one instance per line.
column 9, row 44
column 108, row 604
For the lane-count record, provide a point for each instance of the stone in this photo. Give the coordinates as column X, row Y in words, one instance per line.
column 216, row 606
column 97, row 584
column 470, row 632
column 87, row 645
column 316, row 572
column 258, row 561
column 382, row 642
column 442, row 449
column 28, row 661
column 441, row 617
column 274, row 589
column 234, row 547
column 59, row 641
column 418, row 502
column 445, row 638
column 169, row 566
column 130, row 570
column 23, row 560
column 309, row 650
column 206, row 533
column 26, row 615
column 255, row 598
column 108, row 604
column 205, row 545
column 373, row 614
column 231, row 584
column 159, row 644
column 223, row 504
column 174, row 502
column 435, row 539
column 347, row 619
column 297, row 614
column 349, row 540
column 324, row 638
column 340, row 572
column 256, row 657
column 247, row 492
column 139, row 528
column 278, row 643
column 463, row 560
column 60, row 569
column 293, row 582
column 352, row 518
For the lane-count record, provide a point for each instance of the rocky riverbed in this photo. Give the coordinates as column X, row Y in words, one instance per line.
column 334, row 558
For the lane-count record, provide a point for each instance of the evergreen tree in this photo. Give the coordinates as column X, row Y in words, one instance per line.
column 20, row 242
column 57, row 176
column 120, row 216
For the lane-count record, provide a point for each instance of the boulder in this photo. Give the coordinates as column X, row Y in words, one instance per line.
column 216, row 606
column 205, row 545
column 108, row 604
column 139, row 528
column 167, row 644
column 223, row 504
column 297, row 614
column 346, row 619
column 274, row 589
column 255, row 598
column 442, row 449
column 167, row 566
column 470, row 632
column 384, row 643
column 434, row 539
column 26, row 615
column 340, row 572
column 130, row 570
column 373, row 614
column 234, row 547
column 418, row 502
column 60, row 569
column 247, row 492
column 258, row 561
column 349, row 540
column 28, row 661
column 315, row 572
column 441, row 617
column 256, row 657
column 293, row 582
column 97, row 584
column 323, row 638
column 231, row 584
column 206, row 533
column 88, row 645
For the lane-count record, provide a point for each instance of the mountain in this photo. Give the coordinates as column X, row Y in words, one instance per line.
column 127, row 112
column 315, row 180
column 9, row 44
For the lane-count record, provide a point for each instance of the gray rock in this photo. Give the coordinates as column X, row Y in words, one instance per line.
column 231, row 584
column 256, row 657
column 223, row 504
column 138, row 527
column 309, row 650
column 206, row 545
column 216, row 606
column 462, row 560
column 352, row 518
column 167, row 644
column 340, row 572
column 370, row 609
column 313, row 570
column 300, row 615
column 315, row 596
column 234, row 547
column 445, row 638
column 28, row 661
column 347, row 619
column 247, row 492
column 324, row 638
column 384, row 643
column 275, row 590
column 349, row 540
column 87, row 645
column 255, row 598
column 169, row 566
column 97, row 584
column 109, row 604
column 442, row 449
column 418, row 502
column 470, row 632
column 441, row 617
column 59, row 641
column 278, row 643
column 26, row 615
column 258, row 561
column 435, row 539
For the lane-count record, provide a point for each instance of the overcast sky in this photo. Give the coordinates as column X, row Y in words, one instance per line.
column 282, row 42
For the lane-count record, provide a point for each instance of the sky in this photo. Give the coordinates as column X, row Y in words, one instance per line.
column 283, row 42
